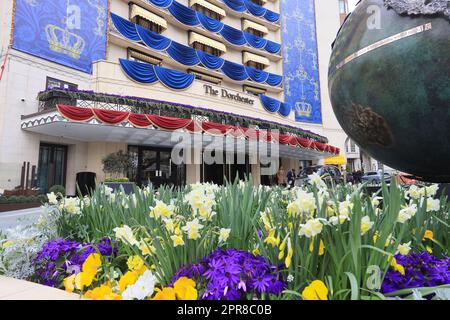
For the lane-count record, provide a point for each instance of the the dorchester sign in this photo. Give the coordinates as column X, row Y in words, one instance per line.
column 225, row 94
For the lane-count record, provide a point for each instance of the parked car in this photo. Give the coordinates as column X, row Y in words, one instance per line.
column 375, row 177
column 330, row 174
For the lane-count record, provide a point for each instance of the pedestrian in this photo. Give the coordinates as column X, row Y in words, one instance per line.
column 281, row 177
column 291, row 176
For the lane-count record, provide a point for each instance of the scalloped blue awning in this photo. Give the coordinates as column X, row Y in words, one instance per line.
column 233, row 36
column 273, row 47
column 236, row 5
column 125, row 27
column 210, row 61
column 252, row 8
column 255, row 41
column 234, row 71
column 161, row 3
column 274, row 80
column 183, row 54
column 153, row 39
column 148, row 73
column 184, row 14
column 209, row 23
column 255, row 9
column 273, row 105
column 256, row 75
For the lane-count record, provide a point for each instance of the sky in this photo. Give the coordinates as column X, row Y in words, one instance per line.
column 352, row 4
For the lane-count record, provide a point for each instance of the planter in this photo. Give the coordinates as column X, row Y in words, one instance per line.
column 18, row 206
column 128, row 187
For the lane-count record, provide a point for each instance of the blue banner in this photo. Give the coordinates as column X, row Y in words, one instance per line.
column 301, row 67
column 68, row 32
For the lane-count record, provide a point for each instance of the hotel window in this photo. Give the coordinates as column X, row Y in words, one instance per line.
column 138, row 56
column 255, row 61
column 208, row 9
column 343, row 8
column 205, row 44
column 205, row 77
column 147, row 19
column 254, row 91
column 259, row 2
column 53, row 83
column 254, row 28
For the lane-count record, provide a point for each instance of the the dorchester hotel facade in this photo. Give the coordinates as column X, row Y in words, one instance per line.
column 229, row 79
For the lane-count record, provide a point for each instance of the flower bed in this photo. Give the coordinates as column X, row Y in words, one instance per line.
column 240, row 242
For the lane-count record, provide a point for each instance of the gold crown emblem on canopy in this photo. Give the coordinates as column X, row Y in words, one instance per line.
column 65, row 42
column 303, row 109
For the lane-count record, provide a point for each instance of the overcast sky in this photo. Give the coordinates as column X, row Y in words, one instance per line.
column 352, row 4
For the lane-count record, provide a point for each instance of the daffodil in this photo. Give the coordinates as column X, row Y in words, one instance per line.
column 317, row 290
column 428, row 235
column 272, row 240
column 192, row 229
column 290, row 254
column 125, row 234
column 397, row 267
column 366, row 225
column 146, row 247
column 404, row 248
column 161, row 210
column 321, row 247
column 177, row 240
column 311, row 228
column 224, row 234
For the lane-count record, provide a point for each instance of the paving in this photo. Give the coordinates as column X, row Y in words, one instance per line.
column 12, row 219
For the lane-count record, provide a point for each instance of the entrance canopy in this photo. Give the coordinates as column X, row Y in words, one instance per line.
column 95, row 125
column 337, row 161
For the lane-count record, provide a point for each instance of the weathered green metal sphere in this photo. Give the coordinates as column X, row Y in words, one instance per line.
column 389, row 83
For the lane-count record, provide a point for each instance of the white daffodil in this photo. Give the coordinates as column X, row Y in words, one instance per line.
column 311, row 228
column 126, row 235
column 404, row 248
column 366, row 225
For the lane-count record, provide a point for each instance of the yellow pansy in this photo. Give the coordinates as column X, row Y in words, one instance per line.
column 428, row 235
column 84, row 279
column 69, row 283
column 103, row 292
column 127, row 279
column 185, row 289
column 317, row 290
column 165, row 294
column 92, row 263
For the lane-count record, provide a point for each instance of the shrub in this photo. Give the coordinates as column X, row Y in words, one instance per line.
column 42, row 198
column 14, row 199
column 3, row 200
column 117, row 164
column 58, row 189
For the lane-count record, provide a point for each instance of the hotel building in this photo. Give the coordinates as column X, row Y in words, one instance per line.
column 83, row 79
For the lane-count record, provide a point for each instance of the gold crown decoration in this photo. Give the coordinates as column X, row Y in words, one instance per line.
column 303, row 109
column 62, row 41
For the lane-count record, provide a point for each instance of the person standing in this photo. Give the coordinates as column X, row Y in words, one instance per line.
column 281, row 177
column 291, row 176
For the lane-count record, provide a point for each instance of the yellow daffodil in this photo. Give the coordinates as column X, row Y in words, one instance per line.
column 69, row 283
column 430, row 251
column 366, row 225
column 256, row 252
column 165, row 294
column 127, row 279
column 146, row 248
column 185, row 289
column 103, row 292
column 317, row 290
column 136, row 264
column 397, row 267
column 290, row 253
column 7, row 244
column 271, row 240
column 428, row 235
column 321, row 247
column 177, row 240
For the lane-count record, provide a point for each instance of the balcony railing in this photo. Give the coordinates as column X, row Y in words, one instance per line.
column 48, row 100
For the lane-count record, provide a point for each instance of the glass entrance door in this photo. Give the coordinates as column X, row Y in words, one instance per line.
column 154, row 166
column 52, row 166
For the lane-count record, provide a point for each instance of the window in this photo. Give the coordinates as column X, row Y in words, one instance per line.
column 258, row 2
column 207, row 12
column 53, row 83
column 343, row 8
column 207, row 49
column 256, row 32
column 148, row 24
column 256, row 65
column 205, row 77
column 254, row 91
column 138, row 56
